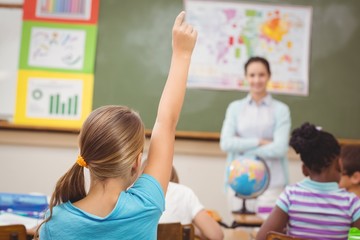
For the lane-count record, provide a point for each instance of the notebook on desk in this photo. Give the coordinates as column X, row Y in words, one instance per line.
column 25, row 209
column 10, row 219
column 27, row 205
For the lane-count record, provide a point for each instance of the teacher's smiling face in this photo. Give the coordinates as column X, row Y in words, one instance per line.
column 257, row 75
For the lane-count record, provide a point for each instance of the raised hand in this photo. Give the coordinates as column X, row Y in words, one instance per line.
column 184, row 36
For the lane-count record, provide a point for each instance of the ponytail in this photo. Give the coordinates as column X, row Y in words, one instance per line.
column 70, row 187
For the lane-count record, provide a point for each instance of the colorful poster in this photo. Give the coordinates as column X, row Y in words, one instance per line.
column 57, row 56
column 58, row 47
column 231, row 32
column 52, row 99
column 66, row 11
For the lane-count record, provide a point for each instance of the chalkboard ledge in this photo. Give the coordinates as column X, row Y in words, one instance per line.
column 186, row 135
column 209, row 136
column 11, row 126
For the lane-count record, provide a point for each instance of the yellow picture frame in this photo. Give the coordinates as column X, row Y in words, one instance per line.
column 27, row 114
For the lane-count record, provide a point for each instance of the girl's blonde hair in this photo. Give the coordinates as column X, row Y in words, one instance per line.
column 110, row 141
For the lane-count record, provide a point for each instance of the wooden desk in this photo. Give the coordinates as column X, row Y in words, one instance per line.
column 247, row 220
column 235, row 234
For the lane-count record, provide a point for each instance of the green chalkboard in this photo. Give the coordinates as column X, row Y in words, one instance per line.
column 134, row 49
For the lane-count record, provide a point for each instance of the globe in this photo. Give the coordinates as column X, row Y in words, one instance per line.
column 248, row 177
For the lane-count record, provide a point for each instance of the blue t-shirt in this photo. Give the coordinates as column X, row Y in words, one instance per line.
column 135, row 216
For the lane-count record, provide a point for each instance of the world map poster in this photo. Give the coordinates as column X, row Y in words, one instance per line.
column 229, row 33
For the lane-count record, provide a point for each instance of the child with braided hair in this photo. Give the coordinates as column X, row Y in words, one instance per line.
column 315, row 208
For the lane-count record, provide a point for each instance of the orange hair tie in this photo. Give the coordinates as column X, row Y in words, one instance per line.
column 81, row 162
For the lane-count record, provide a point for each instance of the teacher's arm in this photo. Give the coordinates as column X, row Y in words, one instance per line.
column 279, row 146
column 229, row 140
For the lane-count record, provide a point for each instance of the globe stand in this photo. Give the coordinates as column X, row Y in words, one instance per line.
column 243, row 210
column 245, row 218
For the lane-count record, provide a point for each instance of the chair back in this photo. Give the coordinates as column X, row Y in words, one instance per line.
column 175, row 231
column 280, row 236
column 13, row 232
column 188, row 232
column 170, row 231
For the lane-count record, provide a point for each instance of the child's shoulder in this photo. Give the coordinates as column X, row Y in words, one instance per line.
column 179, row 188
column 352, row 196
column 180, row 191
column 322, row 190
column 291, row 187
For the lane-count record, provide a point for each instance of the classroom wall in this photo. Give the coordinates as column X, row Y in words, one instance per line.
column 33, row 162
column 134, row 61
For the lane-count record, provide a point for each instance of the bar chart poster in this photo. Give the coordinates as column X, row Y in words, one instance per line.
column 74, row 11
column 58, row 47
column 54, row 98
column 61, row 100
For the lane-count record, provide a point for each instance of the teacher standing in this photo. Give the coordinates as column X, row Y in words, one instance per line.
column 258, row 125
